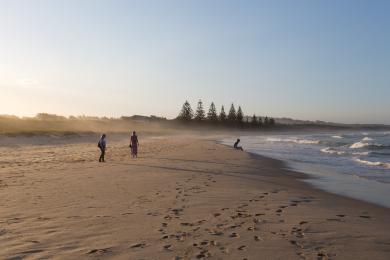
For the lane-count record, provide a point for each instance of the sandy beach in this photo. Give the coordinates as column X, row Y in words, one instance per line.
column 183, row 198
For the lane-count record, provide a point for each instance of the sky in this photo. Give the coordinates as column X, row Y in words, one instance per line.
column 316, row 60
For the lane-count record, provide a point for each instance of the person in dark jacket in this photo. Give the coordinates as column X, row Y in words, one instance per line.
column 236, row 145
column 102, row 146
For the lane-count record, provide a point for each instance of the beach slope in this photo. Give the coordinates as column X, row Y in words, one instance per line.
column 184, row 198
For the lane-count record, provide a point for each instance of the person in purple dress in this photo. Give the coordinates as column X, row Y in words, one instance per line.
column 134, row 144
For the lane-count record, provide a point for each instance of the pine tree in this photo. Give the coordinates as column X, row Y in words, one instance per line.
column 266, row 121
column 212, row 114
column 222, row 115
column 200, row 114
column 232, row 114
column 260, row 122
column 240, row 115
column 254, row 120
column 186, row 112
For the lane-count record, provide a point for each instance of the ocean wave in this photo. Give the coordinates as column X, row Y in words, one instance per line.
column 293, row 140
column 337, row 137
column 367, row 139
column 332, row 151
column 370, row 163
column 361, row 153
column 359, row 144
column 371, row 146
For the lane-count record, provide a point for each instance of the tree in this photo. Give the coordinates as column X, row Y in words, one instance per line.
column 212, row 114
column 186, row 112
column 232, row 114
column 254, row 120
column 222, row 115
column 260, row 122
column 240, row 115
column 266, row 121
column 200, row 114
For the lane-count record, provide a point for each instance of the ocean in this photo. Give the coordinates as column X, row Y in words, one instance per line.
column 353, row 164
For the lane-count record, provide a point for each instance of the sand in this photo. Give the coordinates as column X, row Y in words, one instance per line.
column 183, row 198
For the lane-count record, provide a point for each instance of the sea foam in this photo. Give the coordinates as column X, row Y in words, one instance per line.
column 332, row 151
column 370, row 163
column 293, row 140
column 358, row 145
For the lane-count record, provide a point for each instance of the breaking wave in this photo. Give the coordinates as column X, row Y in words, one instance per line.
column 368, row 145
column 370, row 163
column 358, row 145
column 332, row 151
column 293, row 140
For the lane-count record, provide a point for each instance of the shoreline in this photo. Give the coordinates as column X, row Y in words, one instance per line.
column 305, row 178
column 350, row 183
column 183, row 198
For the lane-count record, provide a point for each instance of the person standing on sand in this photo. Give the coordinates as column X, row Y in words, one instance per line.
column 102, row 145
column 134, row 144
column 236, row 145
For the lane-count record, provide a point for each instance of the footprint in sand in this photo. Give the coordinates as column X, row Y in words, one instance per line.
column 203, row 254
column 177, row 211
column 224, row 250
column 234, row 235
column 100, row 251
column 243, row 206
column 335, row 219
column 365, row 216
column 138, row 245
column 186, row 224
column 297, row 232
column 167, row 247
column 216, row 233
column 242, row 248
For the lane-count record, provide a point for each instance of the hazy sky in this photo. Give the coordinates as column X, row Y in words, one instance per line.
column 326, row 60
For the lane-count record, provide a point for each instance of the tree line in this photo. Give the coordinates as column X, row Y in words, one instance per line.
column 233, row 117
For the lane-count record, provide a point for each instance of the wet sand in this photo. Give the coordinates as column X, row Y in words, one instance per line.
column 183, row 198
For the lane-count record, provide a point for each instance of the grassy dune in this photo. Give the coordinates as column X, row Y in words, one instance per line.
column 13, row 126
